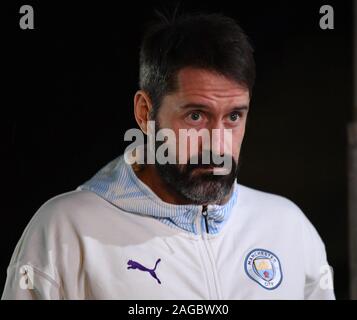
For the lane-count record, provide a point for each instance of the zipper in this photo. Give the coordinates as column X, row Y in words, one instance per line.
column 205, row 216
column 208, row 263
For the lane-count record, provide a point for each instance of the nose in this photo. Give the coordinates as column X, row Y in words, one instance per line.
column 221, row 139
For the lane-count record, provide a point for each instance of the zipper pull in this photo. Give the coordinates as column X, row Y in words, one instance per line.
column 204, row 213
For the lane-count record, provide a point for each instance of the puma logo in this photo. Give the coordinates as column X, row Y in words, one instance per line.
column 136, row 265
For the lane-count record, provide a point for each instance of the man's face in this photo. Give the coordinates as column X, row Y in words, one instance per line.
column 204, row 100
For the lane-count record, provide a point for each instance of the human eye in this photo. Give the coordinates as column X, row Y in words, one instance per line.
column 235, row 116
column 194, row 117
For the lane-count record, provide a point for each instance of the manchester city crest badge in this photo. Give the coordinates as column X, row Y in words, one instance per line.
column 263, row 267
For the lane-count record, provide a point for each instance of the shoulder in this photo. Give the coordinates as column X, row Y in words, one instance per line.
column 73, row 200
column 51, row 239
column 278, row 210
column 258, row 200
column 58, row 220
column 68, row 207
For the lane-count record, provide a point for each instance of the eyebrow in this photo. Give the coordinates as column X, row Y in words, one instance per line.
column 205, row 107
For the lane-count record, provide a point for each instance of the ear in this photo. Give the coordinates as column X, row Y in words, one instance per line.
column 142, row 109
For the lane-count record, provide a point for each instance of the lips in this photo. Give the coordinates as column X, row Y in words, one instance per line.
column 211, row 169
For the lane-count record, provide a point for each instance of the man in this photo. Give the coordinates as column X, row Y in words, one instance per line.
column 176, row 230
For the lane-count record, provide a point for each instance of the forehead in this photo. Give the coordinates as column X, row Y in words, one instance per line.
column 205, row 84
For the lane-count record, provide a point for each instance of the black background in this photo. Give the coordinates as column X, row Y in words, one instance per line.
column 68, row 99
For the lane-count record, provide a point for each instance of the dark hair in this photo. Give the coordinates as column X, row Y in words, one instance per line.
column 208, row 41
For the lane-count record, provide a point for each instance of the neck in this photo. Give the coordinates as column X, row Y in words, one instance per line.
column 148, row 174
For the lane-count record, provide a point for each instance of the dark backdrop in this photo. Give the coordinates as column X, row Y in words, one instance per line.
column 68, row 99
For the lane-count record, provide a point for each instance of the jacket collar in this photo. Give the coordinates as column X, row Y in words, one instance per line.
column 118, row 184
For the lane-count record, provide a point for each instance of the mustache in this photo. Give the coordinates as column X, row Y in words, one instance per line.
column 215, row 161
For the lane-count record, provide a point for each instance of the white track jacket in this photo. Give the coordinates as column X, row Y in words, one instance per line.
column 113, row 238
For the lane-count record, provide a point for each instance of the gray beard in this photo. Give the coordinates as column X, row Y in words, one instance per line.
column 199, row 188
